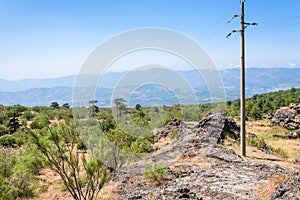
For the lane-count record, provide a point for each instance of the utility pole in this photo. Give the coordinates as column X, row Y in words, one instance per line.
column 242, row 89
column 242, row 76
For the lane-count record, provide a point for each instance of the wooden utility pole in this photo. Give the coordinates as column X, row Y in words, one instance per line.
column 242, row 89
column 242, row 76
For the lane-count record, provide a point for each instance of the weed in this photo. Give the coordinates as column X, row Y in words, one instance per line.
column 155, row 172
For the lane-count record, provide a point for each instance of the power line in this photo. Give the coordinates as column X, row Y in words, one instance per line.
column 221, row 19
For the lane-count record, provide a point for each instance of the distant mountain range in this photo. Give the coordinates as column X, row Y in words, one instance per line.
column 31, row 92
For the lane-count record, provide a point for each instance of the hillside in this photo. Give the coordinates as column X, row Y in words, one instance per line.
column 198, row 168
column 199, row 163
column 168, row 152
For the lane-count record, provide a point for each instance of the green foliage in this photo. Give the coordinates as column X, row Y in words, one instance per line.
column 58, row 146
column 18, row 174
column 255, row 113
column 279, row 152
column 257, row 142
column 54, row 105
column 268, row 102
column 119, row 138
column 3, row 130
column 138, row 106
column 141, row 145
column 40, row 121
column 65, row 106
column 39, row 108
column 106, row 119
column 13, row 122
column 290, row 100
column 173, row 134
column 155, row 172
column 8, row 141
column 21, row 137
column 261, row 144
column 28, row 115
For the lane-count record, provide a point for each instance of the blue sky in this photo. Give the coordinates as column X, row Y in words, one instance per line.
column 52, row 38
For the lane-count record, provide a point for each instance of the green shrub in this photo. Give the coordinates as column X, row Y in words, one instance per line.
column 28, row 115
column 257, row 142
column 82, row 177
column 155, row 172
column 141, row 145
column 255, row 113
column 17, row 174
column 261, row 144
column 40, row 122
column 3, row 130
column 8, row 141
column 21, row 137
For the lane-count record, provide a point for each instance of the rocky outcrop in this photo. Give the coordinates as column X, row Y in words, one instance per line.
column 174, row 125
column 217, row 126
column 288, row 117
column 295, row 135
column 288, row 190
column 221, row 174
column 197, row 168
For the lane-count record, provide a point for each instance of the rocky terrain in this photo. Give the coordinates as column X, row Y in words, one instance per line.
column 289, row 118
column 199, row 168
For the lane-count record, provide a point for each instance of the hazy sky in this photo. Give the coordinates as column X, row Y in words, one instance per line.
column 51, row 38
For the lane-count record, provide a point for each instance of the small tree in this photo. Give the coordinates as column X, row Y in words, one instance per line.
column 54, row 105
column 66, row 106
column 255, row 113
column 138, row 106
column 120, row 104
column 93, row 108
column 82, row 177
column 13, row 122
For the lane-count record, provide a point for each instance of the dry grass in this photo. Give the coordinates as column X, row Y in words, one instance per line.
column 191, row 161
column 107, row 192
column 53, row 184
column 266, row 189
column 254, row 154
column 264, row 129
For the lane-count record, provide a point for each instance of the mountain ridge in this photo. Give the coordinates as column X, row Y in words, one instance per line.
column 32, row 92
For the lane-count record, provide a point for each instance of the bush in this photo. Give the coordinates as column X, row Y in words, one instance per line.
column 18, row 174
column 8, row 141
column 255, row 113
column 28, row 115
column 257, row 142
column 3, row 130
column 40, row 122
column 82, row 177
column 155, row 172
column 21, row 137
column 141, row 145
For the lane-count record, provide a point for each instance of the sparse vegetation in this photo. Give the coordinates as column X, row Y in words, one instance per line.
column 82, row 177
column 127, row 130
column 155, row 172
column 173, row 134
column 257, row 142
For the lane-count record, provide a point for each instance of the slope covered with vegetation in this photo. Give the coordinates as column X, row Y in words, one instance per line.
column 39, row 137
